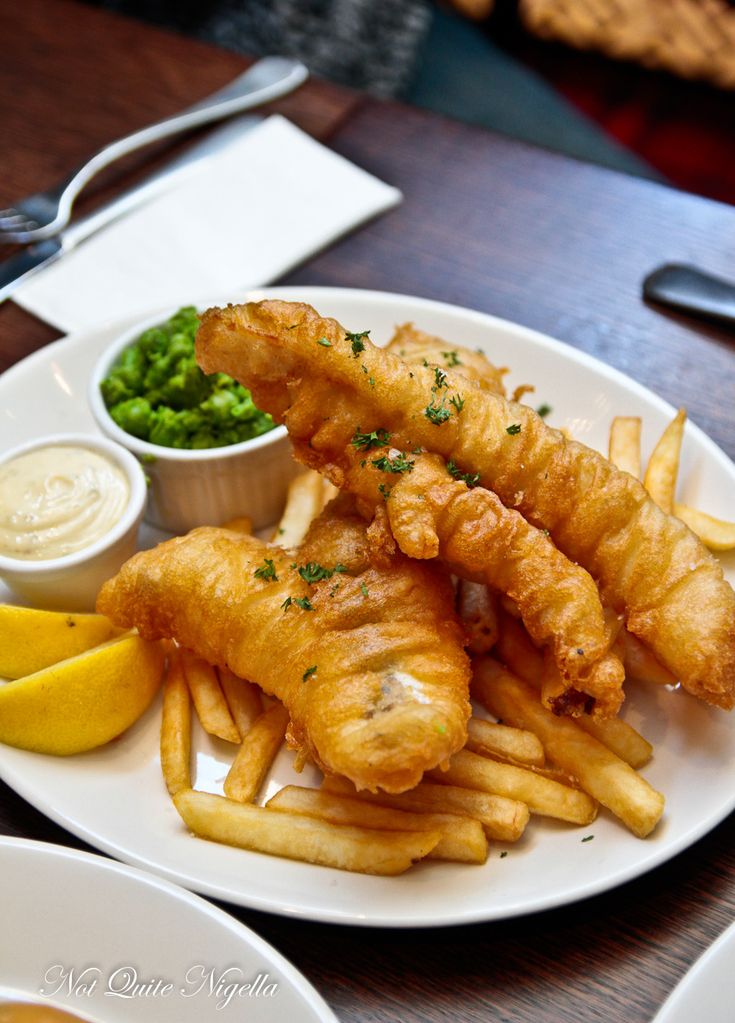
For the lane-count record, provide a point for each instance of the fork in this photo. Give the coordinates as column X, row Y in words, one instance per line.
column 44, row 214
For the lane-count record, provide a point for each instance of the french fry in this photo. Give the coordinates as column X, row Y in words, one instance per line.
column 663, row 465
column 478, row 609
column 503, row 819
column 304, row 502
column 298, row 837
column 541, row 795
column 625, row 444
column 716, row 534
column 211, row 706
column 491, row 739
column 517, row 651
column 176, row 727
column 256, row 754
column 244, row 699
column 604, row 776
column 242, row 524
column 462, row 838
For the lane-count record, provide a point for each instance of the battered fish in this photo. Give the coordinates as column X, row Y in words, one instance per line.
column 650, row 566
column 368, row 661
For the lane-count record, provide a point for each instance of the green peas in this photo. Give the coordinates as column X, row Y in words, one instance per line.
column 157, row 392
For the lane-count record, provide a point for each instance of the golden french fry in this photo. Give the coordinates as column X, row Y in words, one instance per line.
column 176, row 728
column 304, row 502
column 541, row 795
column 640, row 663
column 242, row 524
column 625, row 444
column 716, row 534
column 298, row 837
column 491, row 739
column 503, row 819
column 463, row 838
column 663, row 465
column 606, row 777
column 211, row 706
column 517, row 651
column 256, row 754
column 244, row 699
column 478, row 609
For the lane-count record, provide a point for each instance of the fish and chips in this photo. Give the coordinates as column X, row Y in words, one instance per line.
column 444, row 542
column 649, row 566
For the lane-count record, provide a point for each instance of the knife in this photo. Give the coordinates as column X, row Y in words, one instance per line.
column 691, row 290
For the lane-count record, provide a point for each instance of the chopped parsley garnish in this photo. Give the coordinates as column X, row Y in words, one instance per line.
column 313, row 572
column 357, row 341
column 471, row 479
column 503, row 854
column 324, row 342
column 375, row 439
column 371, row 381
column 437, row 414
column 441, row 729
column 588, row 838
column 398, row 464
column 308, row 673
column 382, row 489
column 514, row 429
column 440, row 378
column 451, row 359
column 544, row 410
column 303, row 602
column 267, row 571
column 458, row 401
column 363, row 589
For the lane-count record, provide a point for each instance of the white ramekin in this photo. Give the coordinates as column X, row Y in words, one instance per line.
column 71, row 582
column 200, row 488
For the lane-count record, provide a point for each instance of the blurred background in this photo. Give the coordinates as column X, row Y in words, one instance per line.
column 642, row 86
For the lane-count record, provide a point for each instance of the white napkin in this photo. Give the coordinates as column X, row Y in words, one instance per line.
column 266, row 202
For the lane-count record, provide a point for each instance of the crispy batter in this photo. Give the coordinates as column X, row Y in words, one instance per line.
column 417, row 348
column 649, row 565
column 388, row 698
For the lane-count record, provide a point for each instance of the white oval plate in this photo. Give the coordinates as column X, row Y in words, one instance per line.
column 707, row 992
column 115, row 799
column 114, row 945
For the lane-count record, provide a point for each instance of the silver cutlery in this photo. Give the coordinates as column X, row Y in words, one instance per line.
column 45, row 214
column 691, row 290
column 28, row 261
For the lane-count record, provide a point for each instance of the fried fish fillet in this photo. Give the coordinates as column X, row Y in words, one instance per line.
column 368, row 661
column 651, row 568
column 418, row 348
column 431, row 514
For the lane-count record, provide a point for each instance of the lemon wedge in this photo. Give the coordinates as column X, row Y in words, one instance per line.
column 31, row 639
column 84, row 701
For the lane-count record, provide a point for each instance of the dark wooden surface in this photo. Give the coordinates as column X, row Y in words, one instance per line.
column 487, row 223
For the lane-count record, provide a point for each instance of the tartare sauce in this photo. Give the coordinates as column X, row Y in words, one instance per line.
column 57, row 500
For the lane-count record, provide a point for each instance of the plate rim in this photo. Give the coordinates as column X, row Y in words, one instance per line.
column 656, row 855
column 103, row 864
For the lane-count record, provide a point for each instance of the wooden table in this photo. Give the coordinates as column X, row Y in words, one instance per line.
column 490, row 224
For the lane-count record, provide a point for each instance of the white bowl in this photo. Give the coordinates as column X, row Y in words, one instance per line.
column 203, row 487
column 71, row 582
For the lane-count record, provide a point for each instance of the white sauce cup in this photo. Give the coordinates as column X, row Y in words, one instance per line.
column 71, row 582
